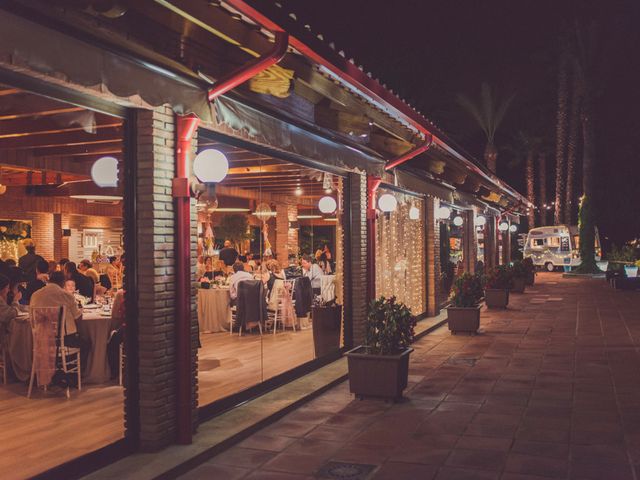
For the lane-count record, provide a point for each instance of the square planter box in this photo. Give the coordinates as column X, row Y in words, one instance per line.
column 463, row 319
column 383, row 376
column 518, row 285
column 496, row 297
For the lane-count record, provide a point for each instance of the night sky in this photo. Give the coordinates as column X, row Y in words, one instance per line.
column 430, row 51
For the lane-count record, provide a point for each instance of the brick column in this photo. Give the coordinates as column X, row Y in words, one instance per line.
column 490, row 245
column 506, row 247
column 470, row 242
column 43, row 235
column 155, row 270
column 286, row 238
column 57, row 236
column 432, row 255
column 356, row 286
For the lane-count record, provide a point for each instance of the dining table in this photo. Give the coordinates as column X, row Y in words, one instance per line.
column 214, row 310
column 95, row 326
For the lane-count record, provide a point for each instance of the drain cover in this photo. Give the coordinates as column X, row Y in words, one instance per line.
column 345, row 471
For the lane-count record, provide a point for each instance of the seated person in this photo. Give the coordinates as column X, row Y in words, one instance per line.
column 313, row 271
column 238, row 276
column 70, row 286
column 86, row 268
column 54, row 295
column 209, row 272
column 42, row 277
column 84, row 285
column 17, row 284
column 8, row 311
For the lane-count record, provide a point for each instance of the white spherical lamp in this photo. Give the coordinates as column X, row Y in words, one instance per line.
column 503, row 226
column 387, row 202
column 414, row 213
column 3, row 189
column 513, row 228
column 443, row 213
column 210, row 166
column 327, row 204
column 104, row 172
column 458, row 221
column 480, row 221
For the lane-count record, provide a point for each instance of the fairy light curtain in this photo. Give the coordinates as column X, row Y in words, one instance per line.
column 400, row 253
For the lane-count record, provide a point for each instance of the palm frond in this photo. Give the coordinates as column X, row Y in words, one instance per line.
column 473, row 109
column 488, row 111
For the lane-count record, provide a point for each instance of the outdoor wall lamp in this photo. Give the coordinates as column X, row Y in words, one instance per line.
column 503, row 226
column 327, row 204
column 210, row 167
column 458, row 221
column 480, row 221
column 387, row 203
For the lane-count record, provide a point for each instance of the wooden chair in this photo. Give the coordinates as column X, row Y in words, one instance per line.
column 46, row 327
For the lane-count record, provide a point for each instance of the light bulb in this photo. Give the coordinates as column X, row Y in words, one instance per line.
column 414, row 213
column 503, row 227
column 458, row 221
column 298, row 191
column 211, row 166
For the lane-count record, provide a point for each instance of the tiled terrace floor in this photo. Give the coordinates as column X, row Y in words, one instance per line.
column 550, row 388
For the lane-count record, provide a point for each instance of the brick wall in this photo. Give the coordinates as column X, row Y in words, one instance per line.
column 358, row 282
column 432, row 256
column 155, row 271
column 470, row 242
column 286, row 238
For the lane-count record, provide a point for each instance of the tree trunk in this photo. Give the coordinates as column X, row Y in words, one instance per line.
column 491, row 156
column 572, row 151
column 531, row 192
column 561, row 131
column 542, row 182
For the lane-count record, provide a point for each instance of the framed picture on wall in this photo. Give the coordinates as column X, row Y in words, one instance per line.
column 90, row 239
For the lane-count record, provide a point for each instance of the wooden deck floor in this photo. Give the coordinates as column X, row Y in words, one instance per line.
column 48, row 430
column 229, row 364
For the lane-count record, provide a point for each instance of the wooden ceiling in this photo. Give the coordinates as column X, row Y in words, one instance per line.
column 47, row 142
column 255, row 172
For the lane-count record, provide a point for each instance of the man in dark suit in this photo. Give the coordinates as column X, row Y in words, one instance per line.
column 29, row 261
column 42, row 277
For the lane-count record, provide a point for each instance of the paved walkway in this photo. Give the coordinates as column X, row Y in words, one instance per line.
column 549, row 389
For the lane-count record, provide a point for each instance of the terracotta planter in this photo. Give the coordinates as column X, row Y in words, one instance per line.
column 383, row 376
column 496, row 297
column 463, row 319
column 517, row 285
column 530, row 279
column 326, row 323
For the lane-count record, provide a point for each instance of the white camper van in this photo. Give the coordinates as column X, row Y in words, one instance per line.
column 556, row 246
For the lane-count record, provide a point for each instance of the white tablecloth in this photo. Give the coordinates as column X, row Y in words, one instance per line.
column 214, row 312
column 96, row 328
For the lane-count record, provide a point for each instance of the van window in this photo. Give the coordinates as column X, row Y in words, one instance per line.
column 576, row 242
column 553, row 241
column 537, row 242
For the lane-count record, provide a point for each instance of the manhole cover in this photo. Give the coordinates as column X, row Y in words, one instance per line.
column 345, row 471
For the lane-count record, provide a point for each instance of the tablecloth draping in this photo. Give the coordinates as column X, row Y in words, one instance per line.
column 214, row 312
column 96, row 328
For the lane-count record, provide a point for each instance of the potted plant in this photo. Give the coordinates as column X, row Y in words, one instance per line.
column 496, row 287
column 530, row 269
column 326, row 321
column 518, row 275
column 464, row 311
column 380, row 368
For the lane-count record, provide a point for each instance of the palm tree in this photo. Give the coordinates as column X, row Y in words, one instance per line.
column 488, row 112
column 542, row 186
column 561, row 129
column 587, row 65
column 531, row 191
column 572, row 148
column 524, row 146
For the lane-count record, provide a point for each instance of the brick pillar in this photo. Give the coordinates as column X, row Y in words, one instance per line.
column 432, row 255
column 64, row 245
column 286, row 238
column 356, row 286
column 506, row 247
column 155, row 270
column 57, row 236
column 490, row 245
column 470, row 242
column 42, row 234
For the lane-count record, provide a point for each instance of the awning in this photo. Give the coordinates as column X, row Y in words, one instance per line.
column 419, row 185
column 267, row 130
column 27, row 45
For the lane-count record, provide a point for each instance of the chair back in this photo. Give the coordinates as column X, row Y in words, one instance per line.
column 251, row 302
column 45, row 325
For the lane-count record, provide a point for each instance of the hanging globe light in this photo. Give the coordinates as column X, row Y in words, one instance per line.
column 480, row 221
column 513, row 228
column 263, row 211
column 414, row 213
column 443, row 213
column 503, row 226
column 327, row 204
column 210, row 166
column 458, row 221
column 387, row 202
column 104, row 172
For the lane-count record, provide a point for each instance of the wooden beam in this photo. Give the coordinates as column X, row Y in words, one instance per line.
column 107, row 135
column 388, row 144
column 31, row 111
column 103, row 147
column 23, row 132
column 51, row 123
